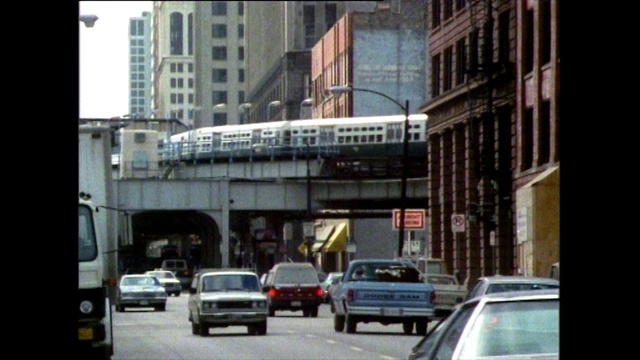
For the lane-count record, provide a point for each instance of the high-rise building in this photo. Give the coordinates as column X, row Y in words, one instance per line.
column 279, row 38
column 140, row 66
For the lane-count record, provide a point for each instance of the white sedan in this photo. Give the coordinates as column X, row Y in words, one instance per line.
column 168, row 280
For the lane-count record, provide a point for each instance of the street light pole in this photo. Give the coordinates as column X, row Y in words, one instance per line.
column 273, row 103
column 308, row 214
column 338, row 89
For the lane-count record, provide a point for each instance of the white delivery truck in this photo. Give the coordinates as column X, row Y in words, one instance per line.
column 97, row 243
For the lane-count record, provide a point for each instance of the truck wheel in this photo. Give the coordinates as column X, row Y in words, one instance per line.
column 305, row 313
column 407, row 327
column 261, row 329
column 162, row 307
column 177, row 293
column 195, row 328
column 272, row 312
column 421, row 327
column 314, row 312
column 352, row 323
column 338, row 323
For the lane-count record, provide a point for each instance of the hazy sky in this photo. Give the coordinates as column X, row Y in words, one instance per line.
column 104, row 57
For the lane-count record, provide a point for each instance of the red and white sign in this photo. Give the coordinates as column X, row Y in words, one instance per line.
column 414, row 219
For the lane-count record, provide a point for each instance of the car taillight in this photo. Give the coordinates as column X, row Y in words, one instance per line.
column 319, row 292
column 272, row 292
column 432, row 297
column 351, row 295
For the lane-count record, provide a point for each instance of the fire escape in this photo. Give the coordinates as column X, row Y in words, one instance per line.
column 488, row 70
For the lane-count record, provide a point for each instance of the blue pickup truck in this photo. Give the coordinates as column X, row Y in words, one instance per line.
column 385, row 291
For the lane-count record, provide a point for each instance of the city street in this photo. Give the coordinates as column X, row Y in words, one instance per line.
column 146, row 334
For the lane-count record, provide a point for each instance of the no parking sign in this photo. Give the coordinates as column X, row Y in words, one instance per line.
column 458, row 223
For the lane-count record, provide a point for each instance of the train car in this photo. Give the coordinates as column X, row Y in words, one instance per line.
column 371, row 136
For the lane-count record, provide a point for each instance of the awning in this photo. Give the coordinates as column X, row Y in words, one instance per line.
column 314, row 248
column 338, row 240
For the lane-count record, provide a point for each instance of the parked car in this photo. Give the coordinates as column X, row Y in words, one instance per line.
column 140, row 291
column 506, row 325
column 168, row 280
column 180, row 269
column 227, row 297
column 322, row 276
column 501, row 283
column 327, row 283
column 293, row 287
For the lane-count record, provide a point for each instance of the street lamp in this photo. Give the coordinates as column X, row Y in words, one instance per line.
column 337, row 90
column 273, row 103
column 304, row 103
column 308, row 214
column 243, row 109
column 89, row 20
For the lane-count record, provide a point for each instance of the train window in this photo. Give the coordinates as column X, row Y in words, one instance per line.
column 348, row 139
column 363, row 138
column 356, row 129
column 313, row 131
column 340, row 139
column 372, row 138
column 349, row 129
column 356, row 139
column 294, row 132
column 340, row 130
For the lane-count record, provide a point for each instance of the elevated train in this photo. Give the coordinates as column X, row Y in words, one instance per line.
column 351, row 138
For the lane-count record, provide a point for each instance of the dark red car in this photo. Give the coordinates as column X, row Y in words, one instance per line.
column 293, row 287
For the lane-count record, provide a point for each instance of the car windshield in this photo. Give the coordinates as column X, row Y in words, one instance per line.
column 296, row 276
column 514, row 328
column 496, row 288
column 230, row 282
column 140, row 281
column 163, row 275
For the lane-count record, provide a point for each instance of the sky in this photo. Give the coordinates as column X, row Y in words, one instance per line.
column 104, row 57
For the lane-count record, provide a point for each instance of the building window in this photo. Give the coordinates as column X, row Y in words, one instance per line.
column 241, row 31
column 219, row 119
column 190, row 34
column 190, row 83
column 241, row 75
column 503, row 37
column 435, row 75
column 180, row 68
column 219, row 8
column 240, row 8
column 190, row 98
column 461, row 61
column 219, row 75
column 528, row 42
column 330, row 15
column 545, row 18
column 241, row 53
column 175, row 34
column 219, row 97
column 527, row 140
column 190, row 67
column 219, row 31
column 172, row 68
column 309, row 21
column 460, row 4
column 447, row 9
column 180, row 98
column 544, row 133
column 180, row 83
column 219, row 53
column 435, row 13
column 474, row 39
column 448, row 69
column 240, row 97
column 173, row 98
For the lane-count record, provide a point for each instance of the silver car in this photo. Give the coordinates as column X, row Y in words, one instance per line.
column 227, row 297
column 506, row 325
column 501, row 283
column 140, row 291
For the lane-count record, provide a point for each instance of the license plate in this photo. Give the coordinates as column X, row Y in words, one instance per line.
column 390, row 312
column 144, row 302
column 296, row 303
column 85, row 333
